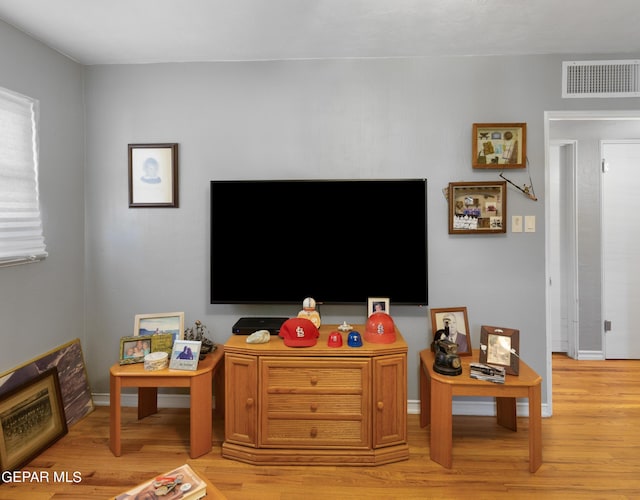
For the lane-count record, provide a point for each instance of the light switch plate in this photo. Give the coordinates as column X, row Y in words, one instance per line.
column 529, row 223
column 516, row 223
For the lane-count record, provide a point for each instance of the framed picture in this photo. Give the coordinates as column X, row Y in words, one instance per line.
column 499, row 145
column 31, row 419
column 378, row 304
column 152, row 324
column 477, row 207
column 451, row 323
column 134, row 349
column 500, row 346
column 72, row 375
column 185, row 355
column 153, row 175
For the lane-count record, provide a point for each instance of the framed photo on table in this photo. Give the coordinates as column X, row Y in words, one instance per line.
column 501, row 347
column 31, row 419
column 152, row 324
column 452, row 323
column 153, row 175
column 185, row 355
column 499, row 145
column 477, row 207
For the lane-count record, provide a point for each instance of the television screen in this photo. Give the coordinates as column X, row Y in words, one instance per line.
column 338, row 241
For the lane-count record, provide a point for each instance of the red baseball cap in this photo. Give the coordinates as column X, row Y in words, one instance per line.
column 299, row 332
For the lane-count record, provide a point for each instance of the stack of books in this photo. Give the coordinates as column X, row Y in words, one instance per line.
column 489, row 373
column 181, row 483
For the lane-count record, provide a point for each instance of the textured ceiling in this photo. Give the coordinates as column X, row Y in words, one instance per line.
column 144, row 31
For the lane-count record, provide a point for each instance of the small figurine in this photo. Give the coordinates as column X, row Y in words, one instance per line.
column 309, row 311
column 345, row 327
column 197, row 332
column 259, row 337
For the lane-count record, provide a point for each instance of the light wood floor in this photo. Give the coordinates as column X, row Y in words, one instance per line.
column 591, row 449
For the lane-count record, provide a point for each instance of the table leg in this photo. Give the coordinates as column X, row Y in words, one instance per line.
column 147, row 401
column 115, row 415
column 535, row 428
column 506, row 413
column 441, row 424
column 425, row 396
column 201, row 414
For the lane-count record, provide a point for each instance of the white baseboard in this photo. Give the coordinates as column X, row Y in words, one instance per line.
column 591, row 355
column 460, row 407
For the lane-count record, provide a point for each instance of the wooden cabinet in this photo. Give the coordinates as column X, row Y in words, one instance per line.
column 315, row 405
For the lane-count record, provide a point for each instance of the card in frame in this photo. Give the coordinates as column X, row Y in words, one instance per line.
column 477, row 207
column 500, row 346
column 153, row 175
column 455, row 320
column 151, row 324
column 378, row 304
column 31, row 419
column 133, row 349
column 185, row 355
column 499, row 145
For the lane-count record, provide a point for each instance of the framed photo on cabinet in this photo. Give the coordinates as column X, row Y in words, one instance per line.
column 499, row 145
column 477, row 207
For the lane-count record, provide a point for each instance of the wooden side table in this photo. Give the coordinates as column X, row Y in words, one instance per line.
column 437, row 391
column 199, row 381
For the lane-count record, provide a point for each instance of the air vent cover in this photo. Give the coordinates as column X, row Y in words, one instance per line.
column 601, row 78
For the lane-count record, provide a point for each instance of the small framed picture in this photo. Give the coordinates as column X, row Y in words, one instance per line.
column 185, row 355
column 152, row 324
column 134, row 349
column 477, row 207
column 500, row 346
column 33, row 419
column 153, row 175
column 499, row 145
column 378, row 304
column 451, row 323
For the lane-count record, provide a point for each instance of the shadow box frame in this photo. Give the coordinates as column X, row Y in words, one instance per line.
column 499, row 145
column 39, row 401
column 153, row 175
column 437, row 324
column 470, row 212
column 500, row 347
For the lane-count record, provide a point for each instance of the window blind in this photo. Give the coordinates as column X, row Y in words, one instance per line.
column 21, row 235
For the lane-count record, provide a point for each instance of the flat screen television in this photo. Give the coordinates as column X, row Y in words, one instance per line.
column 338, row 241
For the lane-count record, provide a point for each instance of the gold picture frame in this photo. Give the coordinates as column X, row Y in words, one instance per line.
column 153, row 175
column 477, row 207
column 31, row 419
column 499, row 145
column 501, row 347
column 456, row 319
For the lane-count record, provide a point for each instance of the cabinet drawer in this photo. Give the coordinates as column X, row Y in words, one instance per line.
column 305, row 375
column 316, row 404
column 315, row 433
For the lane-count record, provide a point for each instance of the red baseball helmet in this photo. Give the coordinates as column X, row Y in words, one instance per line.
column 380, row 329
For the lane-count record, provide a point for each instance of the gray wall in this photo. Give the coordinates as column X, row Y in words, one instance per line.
column 42, row 304
column 292, row 119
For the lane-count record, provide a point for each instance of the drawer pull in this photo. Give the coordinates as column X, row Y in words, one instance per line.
column 314, row 432
column 314, row 407
column 380, row 405
column 314, row 380
column 249, row 402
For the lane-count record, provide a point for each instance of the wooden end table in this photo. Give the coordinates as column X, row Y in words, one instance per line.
column 199, row 381
column 437, row 391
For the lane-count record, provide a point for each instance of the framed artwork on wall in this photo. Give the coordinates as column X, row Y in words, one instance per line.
column 499, row 145
column 477, row 207
column 153, row 175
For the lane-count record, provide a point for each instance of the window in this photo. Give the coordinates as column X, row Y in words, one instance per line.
column 21, row 237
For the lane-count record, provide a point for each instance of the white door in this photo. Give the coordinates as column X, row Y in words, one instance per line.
column 621, row 249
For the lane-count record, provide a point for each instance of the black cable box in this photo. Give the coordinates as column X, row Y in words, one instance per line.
column 248, row 325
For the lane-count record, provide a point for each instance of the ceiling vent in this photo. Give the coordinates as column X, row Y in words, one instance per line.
column 601, row 78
